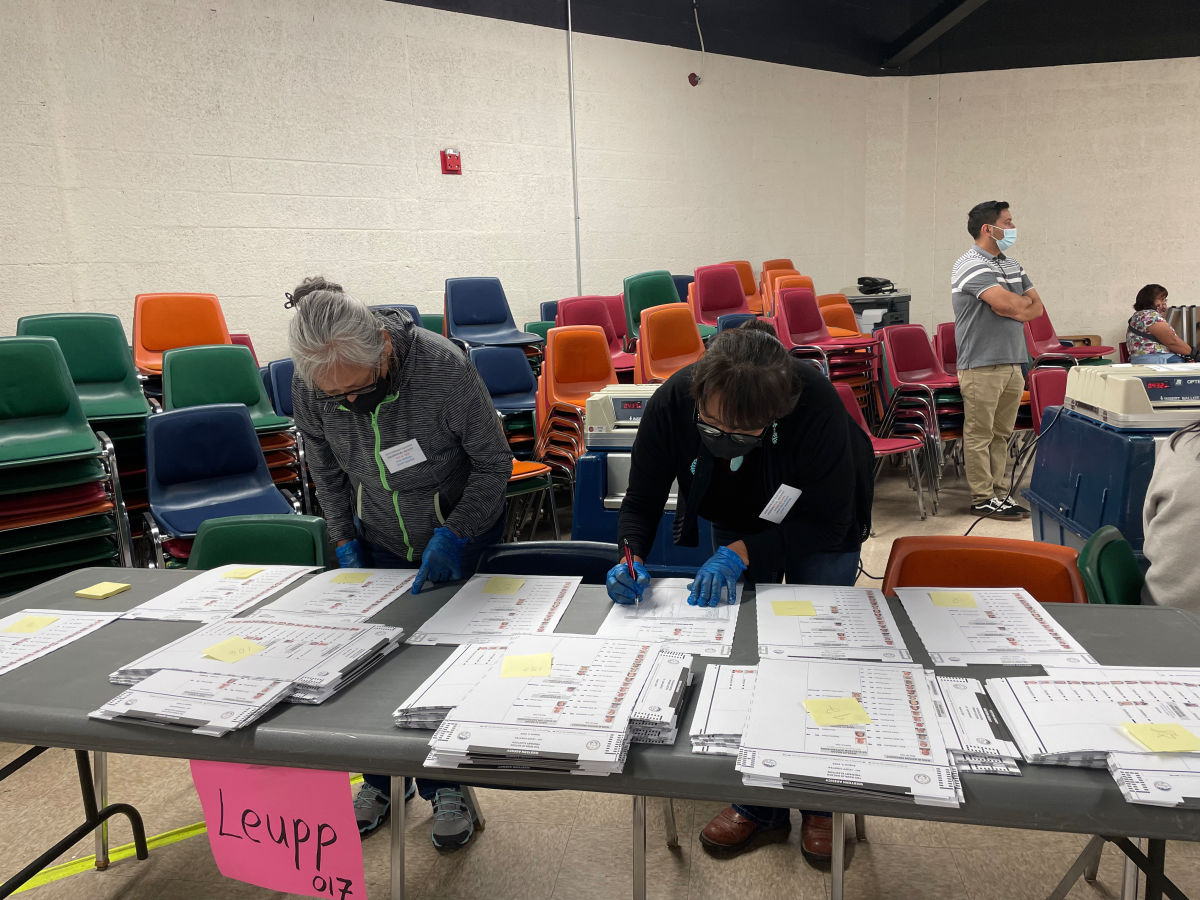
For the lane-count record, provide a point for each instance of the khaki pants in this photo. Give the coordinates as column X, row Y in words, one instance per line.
column 991, row 395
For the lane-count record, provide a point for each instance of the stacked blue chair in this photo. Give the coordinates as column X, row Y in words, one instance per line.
column 204, row 462
column 478, row 315
column 413, row 312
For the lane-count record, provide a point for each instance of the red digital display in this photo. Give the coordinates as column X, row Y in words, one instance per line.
column 631, row 404
column 1159, row 385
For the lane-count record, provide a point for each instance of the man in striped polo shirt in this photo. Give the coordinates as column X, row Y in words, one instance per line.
column 992, row 297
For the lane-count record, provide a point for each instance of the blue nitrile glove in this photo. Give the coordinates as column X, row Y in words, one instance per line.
column 718, row 575
column 442, row 559
column 349, row 554
column 622, row 588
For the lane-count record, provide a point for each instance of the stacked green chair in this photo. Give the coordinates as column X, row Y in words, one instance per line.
column 265, row 540
column 648, row 289
column 227, row 373
column 61, row 505
column 1110, row 570
column 434, row 322
column 101, row 365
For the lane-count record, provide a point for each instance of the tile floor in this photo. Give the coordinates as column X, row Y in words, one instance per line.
column 575, row 845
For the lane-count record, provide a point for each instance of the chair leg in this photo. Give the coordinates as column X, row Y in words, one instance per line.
column 553, row 509
column 914, row 468
column 669, row 819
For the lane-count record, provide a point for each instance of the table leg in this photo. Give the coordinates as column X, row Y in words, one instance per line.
column 837, row 865
column 1156, row 853
column 639, row 847
column 100, row 767
column 1129, row 883
column 1087, row 861
column 397, row 847
column 669, row 820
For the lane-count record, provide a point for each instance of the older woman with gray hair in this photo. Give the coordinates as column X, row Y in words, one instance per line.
column 409, row 461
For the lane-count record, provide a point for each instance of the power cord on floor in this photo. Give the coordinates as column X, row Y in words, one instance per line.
column 867, row 574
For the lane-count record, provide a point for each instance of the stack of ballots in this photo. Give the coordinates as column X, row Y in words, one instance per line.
column 847, row 727
column 722, row 707
column 973, row 731
column 449, row 685
column 1084, row 716
column 655, row 716
column 557, row 703
column 317, row 659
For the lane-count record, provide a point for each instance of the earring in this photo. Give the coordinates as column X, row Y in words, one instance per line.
column 774, row 432
column 693, row 465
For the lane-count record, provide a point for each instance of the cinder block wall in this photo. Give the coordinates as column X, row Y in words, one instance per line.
column 234, row 146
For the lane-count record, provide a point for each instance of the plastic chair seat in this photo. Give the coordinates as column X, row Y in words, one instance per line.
column 888, row 446
column 220, row 373
column 478, row 314
column 163, row 322
column 271, row 540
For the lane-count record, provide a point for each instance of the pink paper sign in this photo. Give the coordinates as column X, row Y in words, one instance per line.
column 284, row 829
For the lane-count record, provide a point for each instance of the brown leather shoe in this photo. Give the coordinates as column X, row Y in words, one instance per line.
column 729, row 830
column 816, row 840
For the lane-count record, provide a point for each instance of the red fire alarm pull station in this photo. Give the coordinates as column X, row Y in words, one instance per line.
column 451, row 162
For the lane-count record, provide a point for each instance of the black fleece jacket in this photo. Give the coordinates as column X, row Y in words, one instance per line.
column 817, row 448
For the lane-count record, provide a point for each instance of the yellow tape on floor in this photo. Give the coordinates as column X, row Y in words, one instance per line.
column 84, row 863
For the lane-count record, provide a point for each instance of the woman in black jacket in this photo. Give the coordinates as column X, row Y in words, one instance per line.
column 763, row 448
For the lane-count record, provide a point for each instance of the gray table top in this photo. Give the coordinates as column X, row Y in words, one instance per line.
column 46, row 702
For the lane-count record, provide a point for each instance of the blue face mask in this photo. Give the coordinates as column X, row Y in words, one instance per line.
column 1010, row 238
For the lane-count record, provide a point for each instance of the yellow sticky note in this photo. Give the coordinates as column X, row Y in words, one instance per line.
column 955, row 599
column 102, row 591
column 243, row 572
column 793, row 608
column 502, row 584
column 233, row 650
column 30, row 624
column 531, row 665
column 837, row 711
column 1166, row 737
column 351, row 577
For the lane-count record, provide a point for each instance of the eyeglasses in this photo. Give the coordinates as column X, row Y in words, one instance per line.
column 345, row 395
column 743, row 440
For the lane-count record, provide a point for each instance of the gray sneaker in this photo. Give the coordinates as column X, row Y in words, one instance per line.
column 370, row 808
column 454, row 818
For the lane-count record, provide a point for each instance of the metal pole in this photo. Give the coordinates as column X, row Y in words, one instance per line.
column 837, row 866
column 397, row 847
column 100, row 768
column 639, row 847
column 574, row 148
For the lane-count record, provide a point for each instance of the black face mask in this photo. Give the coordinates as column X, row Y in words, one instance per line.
column 366, row 402
column 726, row 446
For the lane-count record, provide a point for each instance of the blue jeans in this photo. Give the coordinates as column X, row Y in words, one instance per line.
column 770, row 562
column 1146, row 359
column 376, row 556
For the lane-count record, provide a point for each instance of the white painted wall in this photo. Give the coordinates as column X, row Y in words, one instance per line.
column 235, row 146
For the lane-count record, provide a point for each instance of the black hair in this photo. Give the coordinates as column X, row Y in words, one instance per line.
column 1194, row 428
column 985, row 213
column 751, row 372
column 1148, row 296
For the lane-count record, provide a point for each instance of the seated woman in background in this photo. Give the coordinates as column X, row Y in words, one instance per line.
column 1171, row 521
column 1150, row 337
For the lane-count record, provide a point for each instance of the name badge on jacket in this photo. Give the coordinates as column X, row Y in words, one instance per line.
column 780, row 505
column 401, row 456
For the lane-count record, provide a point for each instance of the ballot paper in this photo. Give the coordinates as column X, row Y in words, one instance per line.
column 655, row 715
column 448, row 686
column 665, row 615
column 1078, row 717
column 1158, row 779
column 341, row 595
column 989, row 626
column 899, row 753
column 972, row 729
column 574, row 720
column 813, row 621
column 200, row 703
column 218, row 593
column 30, row 633
column 492, row 608
column 722, row 706
column 317, row 658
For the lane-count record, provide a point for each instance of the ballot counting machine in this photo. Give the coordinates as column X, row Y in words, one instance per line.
column 1095, row 456
column 1144, row 397
column 611, row 419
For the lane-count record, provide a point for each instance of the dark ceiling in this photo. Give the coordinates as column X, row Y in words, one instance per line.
column 882, row 37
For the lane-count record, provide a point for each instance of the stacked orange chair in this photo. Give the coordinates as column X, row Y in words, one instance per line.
column 165, row 321
column 770, row 279
column 669, row 341
column 838, row 315
column 577, row 364
column 749, row 286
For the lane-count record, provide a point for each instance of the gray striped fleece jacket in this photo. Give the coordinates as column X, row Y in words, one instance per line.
column 435, row 396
